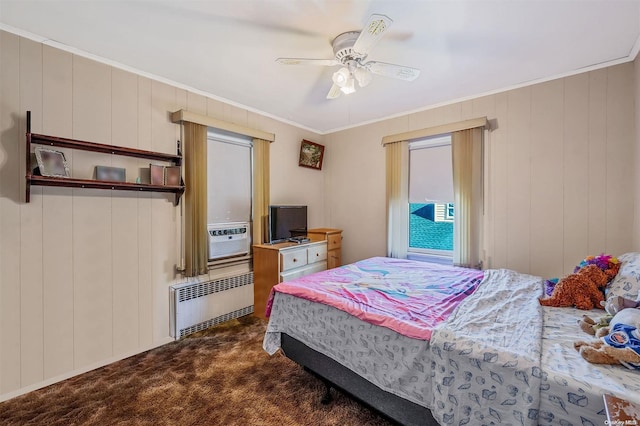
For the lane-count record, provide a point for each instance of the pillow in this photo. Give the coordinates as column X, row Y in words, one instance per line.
column 627, row 282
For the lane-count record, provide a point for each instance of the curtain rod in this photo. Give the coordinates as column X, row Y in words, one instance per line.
column 436, row 130
column 192, row 117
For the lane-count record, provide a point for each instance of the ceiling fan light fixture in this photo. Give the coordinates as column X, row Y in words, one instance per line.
column 363, row 76
column 349, row 87
column 341, row 77
column 350, row 50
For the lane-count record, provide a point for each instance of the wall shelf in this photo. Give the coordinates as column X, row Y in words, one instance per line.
column 70, row 182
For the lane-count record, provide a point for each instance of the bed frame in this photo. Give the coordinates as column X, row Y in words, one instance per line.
column 334, row 374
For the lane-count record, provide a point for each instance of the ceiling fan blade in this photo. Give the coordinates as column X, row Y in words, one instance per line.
column 371, row 33
column 302, row 61
column 334, row 92
column 392, row 70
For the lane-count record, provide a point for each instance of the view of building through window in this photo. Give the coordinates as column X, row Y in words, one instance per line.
column 431, row 226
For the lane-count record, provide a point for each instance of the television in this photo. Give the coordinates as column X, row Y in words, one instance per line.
column 287, row 223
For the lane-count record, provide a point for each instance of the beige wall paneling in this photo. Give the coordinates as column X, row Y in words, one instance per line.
column 91, row 114
column 620, row 166
column 360, row 161
column 453, row 113
column 329, row 166
column 498, row 185
column 597, row 183
column 575, row 171
column 144, row 115
column 57, row 105
column 333, row 155
column 424, row 119
column 163, row 214
column 92, row 276
column 257, row 121
column 235, row 115
column 10, row 199
column 163, row 103
column 145, row 286
column 57, row 98
column 546, row 215
column 92, row 228
column 91, row 101
column 57, row 224
column 124, row 120
column 357, row 182
column 31, row 297
column 484, row 107
column 519, row 184
column 468, row 110
column 290, row 183
column 125, row 272
column 57, row 265
column 145, row 271
column 124, row 216
column 181, row 103
column 215, row 109
column 196, row 103
column 163, row 224
column 480, row 107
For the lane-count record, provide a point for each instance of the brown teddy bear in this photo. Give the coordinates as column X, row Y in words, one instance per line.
column 582, row 289
column 593, row 327
column 613, row 305
column 620, row 343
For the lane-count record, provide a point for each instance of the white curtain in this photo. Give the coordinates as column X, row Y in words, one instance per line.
column 466, row 154
column 397, row 175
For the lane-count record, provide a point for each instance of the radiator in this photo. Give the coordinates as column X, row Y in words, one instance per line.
column 196, row 306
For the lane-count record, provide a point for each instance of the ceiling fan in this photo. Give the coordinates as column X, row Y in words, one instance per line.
column 351, row 50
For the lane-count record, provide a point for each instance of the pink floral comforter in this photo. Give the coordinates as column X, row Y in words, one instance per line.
column 409, row 297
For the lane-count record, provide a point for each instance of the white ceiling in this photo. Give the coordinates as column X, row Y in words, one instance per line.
column 227, row 48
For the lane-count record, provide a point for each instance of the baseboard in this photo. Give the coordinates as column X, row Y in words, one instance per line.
column 65, row 376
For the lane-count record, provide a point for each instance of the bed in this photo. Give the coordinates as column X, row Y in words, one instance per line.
column 491, row 355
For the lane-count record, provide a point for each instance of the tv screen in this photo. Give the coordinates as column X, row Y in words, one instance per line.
column 286, row 222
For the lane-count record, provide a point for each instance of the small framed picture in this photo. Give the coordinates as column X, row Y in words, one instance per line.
column 311, row 155
column 51, row 162
column 114, row 174
column 157, row 174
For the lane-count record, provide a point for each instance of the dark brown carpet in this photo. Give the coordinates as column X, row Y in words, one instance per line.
column 220, row 376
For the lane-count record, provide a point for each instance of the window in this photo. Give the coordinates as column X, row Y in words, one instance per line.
column 466, row 159
column 229, row 194
column 431, row 208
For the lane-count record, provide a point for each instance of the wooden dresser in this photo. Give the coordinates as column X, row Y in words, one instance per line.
column 333, row 237
column 274, row 263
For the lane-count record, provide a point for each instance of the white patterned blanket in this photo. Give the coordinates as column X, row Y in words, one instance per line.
column 487, row 354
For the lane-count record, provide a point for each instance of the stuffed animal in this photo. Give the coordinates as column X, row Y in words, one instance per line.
column 593, row 327
column 604, row 261
column 582, row 289
column 613, row 305
column 609, row 264
column 620, row 344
